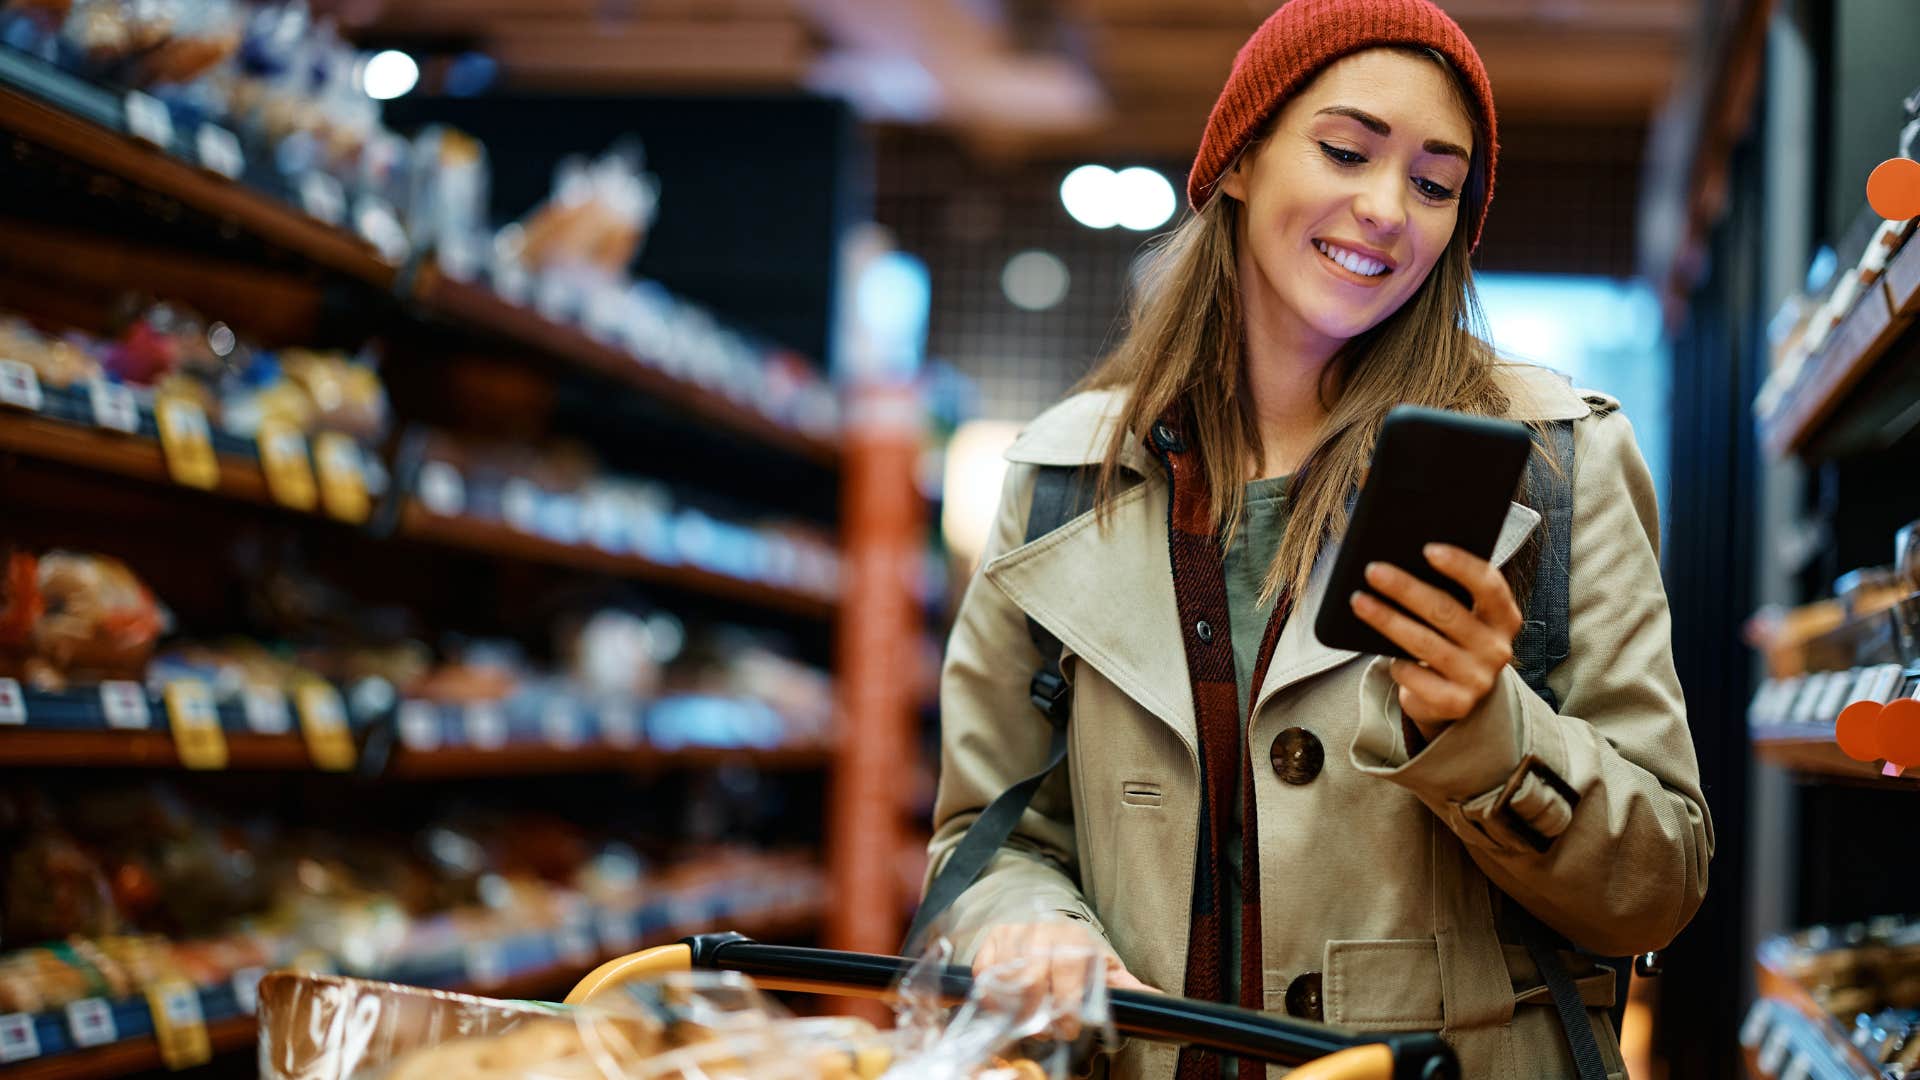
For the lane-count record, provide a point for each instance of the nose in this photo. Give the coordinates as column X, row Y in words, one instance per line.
column 1381, row 204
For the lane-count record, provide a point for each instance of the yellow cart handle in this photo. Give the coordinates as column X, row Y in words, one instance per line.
column 1319, row 1052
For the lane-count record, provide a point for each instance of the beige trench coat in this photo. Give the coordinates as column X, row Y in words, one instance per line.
column 1375, row 874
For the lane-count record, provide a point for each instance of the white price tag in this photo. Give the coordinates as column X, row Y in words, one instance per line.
column 114, row 406
column 520, row 504
column 18, row 1039
column 91, row 1022
column 148, row 120
column 575, row 946
column 267, row 712
column 19, row 386
column 620, row 724
column 442, row 490
column 125, row 704
column 1773, row 1052
column 419, row 725
column 246, row 988
column 560, row 722
column 219, row 151
column 13, row 704
column 486, row 726
column 617, row 931
column 486, row 964
column 322, row 197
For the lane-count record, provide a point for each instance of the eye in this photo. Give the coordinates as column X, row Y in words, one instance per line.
column 1343, row 157
column 1431, row 190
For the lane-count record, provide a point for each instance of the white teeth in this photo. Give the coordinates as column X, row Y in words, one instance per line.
column 1359, row 264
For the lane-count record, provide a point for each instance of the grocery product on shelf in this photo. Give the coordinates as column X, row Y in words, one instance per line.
column 68, row 616
column 559, row 493
column 109, row 891
column 1839, row 1000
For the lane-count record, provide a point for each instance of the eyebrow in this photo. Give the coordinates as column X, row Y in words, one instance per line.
column 1381, row 127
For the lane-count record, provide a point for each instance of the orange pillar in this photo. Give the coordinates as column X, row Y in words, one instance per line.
column 883, row 542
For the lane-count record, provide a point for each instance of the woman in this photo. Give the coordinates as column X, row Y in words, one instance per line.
column 1352, row 838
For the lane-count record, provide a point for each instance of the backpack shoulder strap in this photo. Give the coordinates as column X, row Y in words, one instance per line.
column 1060, row 493
column 1542, row 644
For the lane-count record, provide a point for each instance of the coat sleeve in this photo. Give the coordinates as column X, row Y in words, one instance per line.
column 1592, row 818
column 991, row 737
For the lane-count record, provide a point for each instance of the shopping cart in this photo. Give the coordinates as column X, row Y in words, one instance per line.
column 1319, row 1052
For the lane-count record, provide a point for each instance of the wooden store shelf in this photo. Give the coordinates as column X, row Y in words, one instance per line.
column 27, row 747
column 141, row 459
column 129, row 456
column 1809, row 749
column 241, row 1033
column 129, row 1056
column 464, row 761
column 501, row 539
column 477, row 307
column 91, row 141
column 1878, row 323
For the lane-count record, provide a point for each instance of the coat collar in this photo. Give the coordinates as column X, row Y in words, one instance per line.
column 1108, row 594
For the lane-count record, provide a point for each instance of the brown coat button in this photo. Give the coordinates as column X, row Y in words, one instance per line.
column 1298, row 755
column 1303, row 997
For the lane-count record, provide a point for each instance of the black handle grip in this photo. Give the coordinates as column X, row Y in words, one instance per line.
column 1156, row 1017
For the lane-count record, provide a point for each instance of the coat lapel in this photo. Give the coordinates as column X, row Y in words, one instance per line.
column 1108, row 596
column 1299, row 654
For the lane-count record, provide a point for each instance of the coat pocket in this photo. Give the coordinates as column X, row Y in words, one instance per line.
column 1141, row 793
column 1384, row 985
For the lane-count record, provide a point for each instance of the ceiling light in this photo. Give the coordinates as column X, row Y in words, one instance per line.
column 1034, row 280
column 389, row 74
column 1144, row 198
column 1091, row 195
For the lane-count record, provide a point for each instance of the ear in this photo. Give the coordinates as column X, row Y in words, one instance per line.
column 1234, row 183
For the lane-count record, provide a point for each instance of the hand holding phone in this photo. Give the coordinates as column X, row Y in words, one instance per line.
column 1412, row 578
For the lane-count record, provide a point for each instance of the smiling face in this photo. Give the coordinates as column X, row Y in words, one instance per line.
column 1351, row 198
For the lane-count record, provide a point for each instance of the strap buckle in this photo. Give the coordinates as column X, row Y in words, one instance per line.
column 1051, row 694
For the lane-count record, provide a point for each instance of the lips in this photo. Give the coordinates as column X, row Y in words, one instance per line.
column 1353, row 261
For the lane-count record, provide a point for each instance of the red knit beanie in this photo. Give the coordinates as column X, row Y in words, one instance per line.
column 1303, row 37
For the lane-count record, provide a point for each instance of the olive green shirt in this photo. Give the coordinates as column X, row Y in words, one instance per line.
column 1255, row 543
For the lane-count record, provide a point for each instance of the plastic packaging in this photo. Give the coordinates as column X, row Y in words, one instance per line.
column 686, row 1026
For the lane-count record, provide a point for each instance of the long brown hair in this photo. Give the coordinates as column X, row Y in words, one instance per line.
column 1183, row 350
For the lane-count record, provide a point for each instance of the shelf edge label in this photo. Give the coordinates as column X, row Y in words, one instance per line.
column 323, row 720
column 20, row 386
column 19, row 1039
column 125, row 705
column 148, row 119
column 90, row 1020
column 114, row 406
column 266, row 710
column 188, row 443
column 179, row 1025
column 197, row 737
column 13, row 703
column 283, row 457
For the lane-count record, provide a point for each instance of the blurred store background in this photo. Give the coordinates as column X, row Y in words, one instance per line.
column 484, row 483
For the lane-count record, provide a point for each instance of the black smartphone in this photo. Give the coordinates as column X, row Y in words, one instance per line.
column 1436, row 477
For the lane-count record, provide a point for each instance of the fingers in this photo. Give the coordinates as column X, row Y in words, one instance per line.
column 1492, row 598
column 1418, row 639
column 1426, row 697
column 1047, row 967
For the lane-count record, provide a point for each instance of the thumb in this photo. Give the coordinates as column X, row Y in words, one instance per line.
column 1119, row 978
